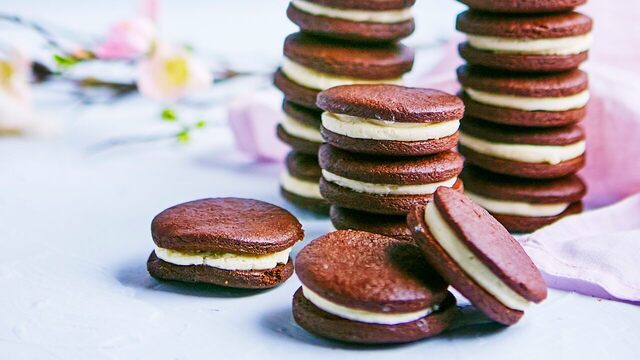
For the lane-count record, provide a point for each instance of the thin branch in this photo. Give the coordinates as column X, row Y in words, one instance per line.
column 48, row 36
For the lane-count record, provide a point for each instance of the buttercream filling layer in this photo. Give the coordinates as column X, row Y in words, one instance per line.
column 386, row 16
column 527, row 103
column 517, row 208
column 469, row 262
column 364, row 315
column 225, row 261
column 304, row 188
column 550, row 154
column 366, row 128
column 569, row 45
column 386, row 189
column 300, row 130
column 318, row 80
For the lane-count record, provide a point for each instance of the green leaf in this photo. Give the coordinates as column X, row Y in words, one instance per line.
column 64, row 61
column 183, row 136
column 201, row 124
column 169, row 115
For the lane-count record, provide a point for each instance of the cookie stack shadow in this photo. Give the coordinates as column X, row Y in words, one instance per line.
column 524, row 96
column 339, row 43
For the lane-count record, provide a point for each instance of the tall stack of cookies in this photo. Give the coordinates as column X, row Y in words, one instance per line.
column 388, row 148
column 524, row 95
column 340, row 42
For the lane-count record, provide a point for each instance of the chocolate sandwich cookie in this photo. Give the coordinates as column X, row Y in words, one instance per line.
column 523, row 205
column 532, row 100
column 367, row 288
column 312, row 64
column 477, row 256
column 371, row 21
column 394, row 226
column 299, row 182
column 385, row 185
column 390, row 119
column 529, row 43
column 240, row 243
column 543, row 153
column 523, row 6
column 300, row 128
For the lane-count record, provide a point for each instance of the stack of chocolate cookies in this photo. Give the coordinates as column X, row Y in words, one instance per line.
column 388, row 148
column 339, row 43
column 524, row 96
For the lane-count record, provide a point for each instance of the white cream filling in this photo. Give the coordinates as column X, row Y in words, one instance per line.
column 304, row 188
column 364, row 315
column 468, row 262
column 528, row 103
column 386, row 189
column 317, row 80
column 300, row 130
column 225, row 261
column 517, row 208
column 569, row 45
column 550, row 154
column 365, row 128
column 386, row 16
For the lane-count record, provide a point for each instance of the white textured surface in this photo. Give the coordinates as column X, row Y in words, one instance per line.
column 75, row 230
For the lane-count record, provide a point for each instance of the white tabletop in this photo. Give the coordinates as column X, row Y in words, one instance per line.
column 75, row 228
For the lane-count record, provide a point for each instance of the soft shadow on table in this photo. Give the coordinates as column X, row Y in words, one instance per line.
column 134, row 274
column 235, row 162
column 472, row 324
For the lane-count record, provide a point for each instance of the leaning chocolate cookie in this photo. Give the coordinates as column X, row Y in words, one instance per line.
column 530, row 100
column 524, row 205
column 389, row 119
column 385, row 185
column 477, row 256
column 358, row 20
column 528, row 43
column 230, row 242
column 523, row 6
column 367, row 288
column 543, row 153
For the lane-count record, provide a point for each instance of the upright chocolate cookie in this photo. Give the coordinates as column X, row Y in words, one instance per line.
column 477, row 256
column 385, row 185
column 389, row 119
column 531, row 100
column 524, row 205
column 364, row 22
column 523, row 6
column 543, row 153
column 368, row 288
column 387, row 225
column 299, row 182
column 528, row 43
column 230, row 242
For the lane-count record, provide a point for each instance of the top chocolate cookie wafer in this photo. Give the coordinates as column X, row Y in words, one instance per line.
column 230, row 225
column 391, row 103
column 374, row 5
column 542, row 26
column 523, row 6
column 360, row 61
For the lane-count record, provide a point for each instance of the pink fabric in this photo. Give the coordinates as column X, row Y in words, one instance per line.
column 595, row 253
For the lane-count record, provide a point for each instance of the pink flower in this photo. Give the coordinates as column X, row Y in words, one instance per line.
column 15, row 68
column 171, row 72
column 128, row 39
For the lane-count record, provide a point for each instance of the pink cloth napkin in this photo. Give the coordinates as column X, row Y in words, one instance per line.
column 594, row 253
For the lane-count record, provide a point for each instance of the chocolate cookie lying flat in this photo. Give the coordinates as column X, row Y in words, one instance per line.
column 385, row 185
column 231, row 242
column 524, row 205
column 477, row 256
column 527, row 43
column 389, row 119
column 362, row 21
column 368, row 288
